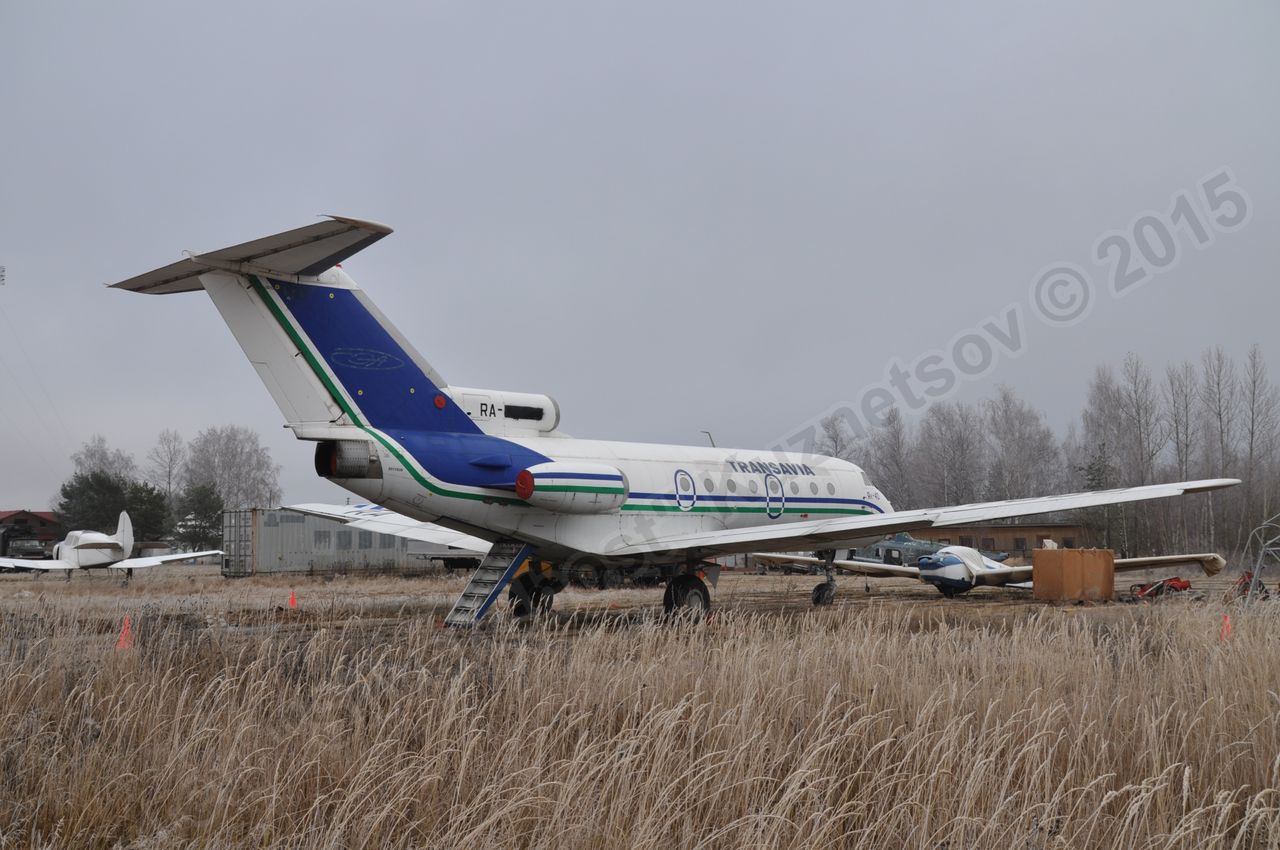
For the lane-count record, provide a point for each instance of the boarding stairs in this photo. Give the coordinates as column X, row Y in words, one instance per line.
column 488, row 581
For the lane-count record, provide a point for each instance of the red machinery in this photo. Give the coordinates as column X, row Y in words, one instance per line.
column 1155, row 589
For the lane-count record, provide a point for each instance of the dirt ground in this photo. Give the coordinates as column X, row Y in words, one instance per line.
column 200, row 592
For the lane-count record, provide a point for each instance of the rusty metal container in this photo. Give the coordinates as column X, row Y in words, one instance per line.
column 1073, row 575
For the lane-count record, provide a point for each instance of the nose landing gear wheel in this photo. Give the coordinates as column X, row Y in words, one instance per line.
column 824, row 594
column 686, row 595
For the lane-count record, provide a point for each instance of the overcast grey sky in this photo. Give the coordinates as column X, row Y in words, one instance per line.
column 669, row 216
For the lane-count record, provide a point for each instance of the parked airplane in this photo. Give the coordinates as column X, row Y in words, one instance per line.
column 900, row 548
column 959, row 569
column 494, row 464
column 87, row 550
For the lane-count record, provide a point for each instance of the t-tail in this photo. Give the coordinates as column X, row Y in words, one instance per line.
column 327, row 355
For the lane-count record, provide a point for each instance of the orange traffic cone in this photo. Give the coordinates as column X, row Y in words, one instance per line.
column 293, row 599
column 1226, row 627
column 125, row 641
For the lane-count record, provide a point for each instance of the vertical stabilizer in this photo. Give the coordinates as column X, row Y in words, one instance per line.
column 326, row 354
column 124, row 534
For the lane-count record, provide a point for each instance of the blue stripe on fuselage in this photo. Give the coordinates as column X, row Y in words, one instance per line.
column 582, row 476
column 791, row 500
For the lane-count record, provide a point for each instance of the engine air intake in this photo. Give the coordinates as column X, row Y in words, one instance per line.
column 573, row 488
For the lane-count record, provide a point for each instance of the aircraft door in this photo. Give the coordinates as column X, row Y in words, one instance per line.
column 775, row 498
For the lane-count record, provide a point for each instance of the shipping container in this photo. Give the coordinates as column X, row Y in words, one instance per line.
column 261, row 541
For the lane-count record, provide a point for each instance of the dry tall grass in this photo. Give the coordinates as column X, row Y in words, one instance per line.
column 848, row 727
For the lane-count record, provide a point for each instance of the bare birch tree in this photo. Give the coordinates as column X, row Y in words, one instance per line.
column 1260, row 412
column 96, row 456
column 1181, row 391
column 888, row 460
column 165, row 463
column 1023, row 451
column 1219, row 403
column 950, row 464
column 234, row 462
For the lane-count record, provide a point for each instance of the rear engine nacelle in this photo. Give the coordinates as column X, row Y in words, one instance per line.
column 347, row 459
column 573, row 488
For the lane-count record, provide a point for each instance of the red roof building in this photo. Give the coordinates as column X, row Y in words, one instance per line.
column 42, row 525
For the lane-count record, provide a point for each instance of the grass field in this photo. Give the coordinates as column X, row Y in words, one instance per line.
column 894, row 719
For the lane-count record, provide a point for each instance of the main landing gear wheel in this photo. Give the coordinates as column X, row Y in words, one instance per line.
column 824, row 594
column 526, row 598
column 686, row 595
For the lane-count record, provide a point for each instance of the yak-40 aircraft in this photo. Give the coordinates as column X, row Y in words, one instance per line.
column 88, row 550
column 495, row 464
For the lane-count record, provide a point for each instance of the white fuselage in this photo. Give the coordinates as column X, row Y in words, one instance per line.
column 87, row 549
column 671, row 490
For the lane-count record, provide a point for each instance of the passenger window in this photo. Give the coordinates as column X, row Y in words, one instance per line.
column 754, row 487
column 813, row 487
column 795, row 488
column 831, row 489
column 708, row 485
column 733, row 486
column 774, row 486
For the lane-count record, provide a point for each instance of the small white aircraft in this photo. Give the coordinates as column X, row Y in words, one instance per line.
column 87, row 550
column 959, row 569
column 494, row 464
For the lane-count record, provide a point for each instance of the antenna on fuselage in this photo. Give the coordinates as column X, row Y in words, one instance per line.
column 711, row 438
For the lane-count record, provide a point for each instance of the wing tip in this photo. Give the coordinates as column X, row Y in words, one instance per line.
column 361, row 223
column 1209, row 484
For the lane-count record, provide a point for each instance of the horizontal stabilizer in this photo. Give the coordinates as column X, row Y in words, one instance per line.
column 101, row 544
column 301, row 253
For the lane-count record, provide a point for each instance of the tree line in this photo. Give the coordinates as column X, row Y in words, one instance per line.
column 179, row 493
column 1210, row 418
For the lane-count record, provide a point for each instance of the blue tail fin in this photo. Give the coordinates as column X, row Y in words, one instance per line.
column 374, row 375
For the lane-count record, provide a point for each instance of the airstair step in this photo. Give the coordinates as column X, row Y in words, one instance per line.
column 488, row 581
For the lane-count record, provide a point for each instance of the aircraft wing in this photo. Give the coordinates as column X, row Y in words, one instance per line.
column 157, row 560
column 28, row 564
column 379, row 519
column 849, row 531
column 864, row 568
column 1210, row 563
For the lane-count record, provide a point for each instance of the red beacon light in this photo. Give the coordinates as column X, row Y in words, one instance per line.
column 440, row 401
column 524, row 484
